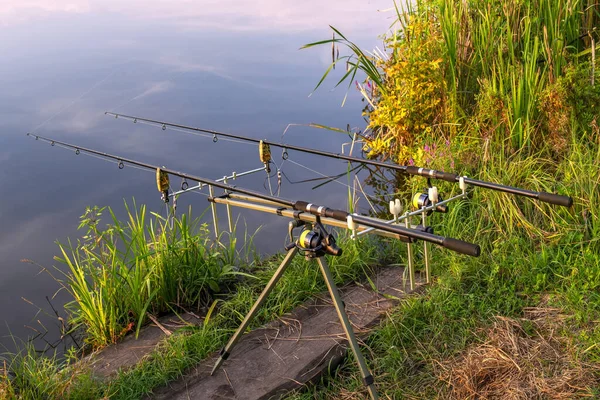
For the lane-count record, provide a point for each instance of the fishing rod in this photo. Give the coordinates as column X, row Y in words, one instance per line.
column 298, row 205
column 551, row 198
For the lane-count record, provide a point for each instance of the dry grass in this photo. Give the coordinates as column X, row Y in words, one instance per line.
column 4, row 381
column 526, row 358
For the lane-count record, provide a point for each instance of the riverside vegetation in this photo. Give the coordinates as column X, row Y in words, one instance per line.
column 508, row 92
column 118, row 274
column 504, row 91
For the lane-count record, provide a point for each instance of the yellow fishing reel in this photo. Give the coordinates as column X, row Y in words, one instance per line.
column 315, row 242
column 425, row 199
column 309, row 239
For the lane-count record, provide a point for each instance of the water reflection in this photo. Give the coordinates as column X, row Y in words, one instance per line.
column 220, row 65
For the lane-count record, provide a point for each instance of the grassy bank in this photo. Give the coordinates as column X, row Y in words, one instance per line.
column 448, row 343
column 505, row 92
column 34, row 376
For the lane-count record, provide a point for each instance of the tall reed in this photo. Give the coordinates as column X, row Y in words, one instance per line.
column 118, row 274
column 499, row 56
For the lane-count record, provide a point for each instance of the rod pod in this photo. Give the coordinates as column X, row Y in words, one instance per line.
column 320, row 232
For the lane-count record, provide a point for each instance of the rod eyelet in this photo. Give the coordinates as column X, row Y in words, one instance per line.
column 215, row 138
column 135, row 121
column 77, row 152
column 184, row 185
column 164, row 127
column 285, row 154
column 121, row 164
column 52, row 143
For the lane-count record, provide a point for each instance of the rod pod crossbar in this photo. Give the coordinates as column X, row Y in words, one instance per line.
column 551, row 198
column 252, row 203
column 457, row 245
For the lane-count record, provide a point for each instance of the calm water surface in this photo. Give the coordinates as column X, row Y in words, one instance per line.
column 219, row 65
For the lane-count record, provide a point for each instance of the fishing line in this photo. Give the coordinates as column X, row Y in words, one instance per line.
column 367, row 196
column 323, row 176
column 215, row 139
column 209, row 136
column 312, row 179
column 241, row 139
column 170, row 214
column 108, row 160
column 278, row 183
column 94, row 86
column 268, row 179
column 282, row 173
column 278, row 173
column 356, row 180
column 331, row 178
column 141, row 94
column 168, row 79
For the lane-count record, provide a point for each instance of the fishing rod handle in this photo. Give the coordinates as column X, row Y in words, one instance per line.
column 557, row 199
column 550, row 198
column 462, row 247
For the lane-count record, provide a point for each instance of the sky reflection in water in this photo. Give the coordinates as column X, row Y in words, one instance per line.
column 216, row 64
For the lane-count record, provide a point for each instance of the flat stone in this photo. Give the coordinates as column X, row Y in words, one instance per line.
column 297, row 349
column 130, row 351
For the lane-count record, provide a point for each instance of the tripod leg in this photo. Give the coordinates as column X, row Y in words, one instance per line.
column 213, row 208
column 339, row 306
column 411, row 268
column 426, row 251
column 237, row 335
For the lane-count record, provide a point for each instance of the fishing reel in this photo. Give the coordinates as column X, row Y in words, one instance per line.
column 315, row 242
column 427, row 198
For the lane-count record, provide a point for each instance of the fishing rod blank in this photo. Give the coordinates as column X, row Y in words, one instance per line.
column 551, row 198
column 302, row 206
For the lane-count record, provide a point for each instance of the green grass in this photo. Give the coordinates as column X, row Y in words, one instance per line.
column 184, row 349
column 299, row 283
column 532, row 255
column 518, row 108
column 119, row 273
column 513, row 104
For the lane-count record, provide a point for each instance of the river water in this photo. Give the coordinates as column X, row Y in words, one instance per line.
column 221, row 65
